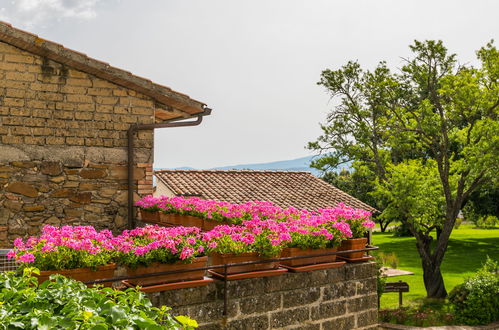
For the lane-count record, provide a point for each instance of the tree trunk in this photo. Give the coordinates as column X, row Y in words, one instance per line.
column 432, row 276
column 433, row 280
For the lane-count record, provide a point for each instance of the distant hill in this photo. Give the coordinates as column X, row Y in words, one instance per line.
column 298, row 164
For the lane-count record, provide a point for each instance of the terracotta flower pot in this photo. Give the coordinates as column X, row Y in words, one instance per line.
column 149, row 217
column 353, row 244
column 82, row 274
column 157, row 267
column 297, row 252
column 229, row 258
column 181, row 220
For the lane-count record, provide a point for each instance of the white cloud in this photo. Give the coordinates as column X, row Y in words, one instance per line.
column 29, row 13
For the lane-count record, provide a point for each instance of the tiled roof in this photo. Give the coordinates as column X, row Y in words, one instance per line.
column 58, row 53
column 283, row 188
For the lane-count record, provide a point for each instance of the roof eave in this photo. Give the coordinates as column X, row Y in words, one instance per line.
column 177, row 105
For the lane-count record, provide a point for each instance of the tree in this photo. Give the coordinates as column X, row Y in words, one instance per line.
column 359, row 182
column 428, row 132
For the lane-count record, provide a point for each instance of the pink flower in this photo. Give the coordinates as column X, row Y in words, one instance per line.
column 27, row 258
column 186, row 253
column 11, row 254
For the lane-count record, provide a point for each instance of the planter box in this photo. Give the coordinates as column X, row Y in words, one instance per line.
column 210, row 224
column 149, row 217
column 157, row 267
column 82, row 274
column 297, row 252
column 220, row 259
column 353, row 244
column 180, row 220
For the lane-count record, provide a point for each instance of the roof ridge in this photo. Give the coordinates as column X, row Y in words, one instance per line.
column 34, row 44
column 231, row 171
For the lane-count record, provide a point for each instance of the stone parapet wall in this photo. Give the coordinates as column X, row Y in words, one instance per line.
column 339, row 298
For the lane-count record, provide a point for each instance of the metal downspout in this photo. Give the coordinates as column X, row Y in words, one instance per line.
column 130, row 134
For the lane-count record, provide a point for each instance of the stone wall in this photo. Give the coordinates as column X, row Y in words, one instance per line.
column 340, row 298
column 63, row 138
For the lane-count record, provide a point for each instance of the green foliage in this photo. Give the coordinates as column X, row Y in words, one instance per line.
column 421, row 316
column 476, row 301
column 389, row 259
column 63, row 303
column 380, row 278
column 429, row 133
column 487, row 221
column 414, row 194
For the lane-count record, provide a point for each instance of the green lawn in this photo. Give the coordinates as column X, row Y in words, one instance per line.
column 468, row 249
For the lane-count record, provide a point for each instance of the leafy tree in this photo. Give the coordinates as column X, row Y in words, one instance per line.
column 360, row 183
column 428, row 132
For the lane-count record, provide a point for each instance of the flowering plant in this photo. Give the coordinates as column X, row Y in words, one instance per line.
column 65, row 248
column 265, row 237
column 143, row 246
column 148, row 203
column 218, row 210
column 358, row 220
column 313, row 232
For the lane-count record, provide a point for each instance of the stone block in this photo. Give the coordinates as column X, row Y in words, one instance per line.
column 363, row 303
column 360, row 271
column 329, row 310
column 90, row 173
column 33, row 208
column 13, row 205
column 300, row 297
column 340, row 323
column 189, row 296
column 288, row 282
column 63, row 193
column 289, row 317
column 57, row 179
column 208, row 312
column 73, row 212
column 249, row 323
column 339, row 290
column 23, row 164
column 82, row 197
column 366, row 318
column 4, row 216
column 260, row 303
column 22, row 189
column 51, row 168
column 366, row 286
column 244, row 288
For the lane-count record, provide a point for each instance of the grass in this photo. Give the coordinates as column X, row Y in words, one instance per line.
column 468, row 248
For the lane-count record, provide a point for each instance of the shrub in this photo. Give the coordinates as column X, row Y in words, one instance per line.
column 487, row 221
column 63, row 303
column 476, row 301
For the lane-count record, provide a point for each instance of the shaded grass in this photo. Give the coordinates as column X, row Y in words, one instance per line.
column 467, row 251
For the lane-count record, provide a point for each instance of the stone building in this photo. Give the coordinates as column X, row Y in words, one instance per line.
column 64, row 126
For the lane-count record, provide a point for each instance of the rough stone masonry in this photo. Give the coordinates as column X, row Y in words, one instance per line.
column 335, row 299
column 63, row 136
column 62, row 152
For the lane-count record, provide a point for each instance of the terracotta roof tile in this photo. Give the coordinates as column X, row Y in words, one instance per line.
column 283, row 188
column 79, row 61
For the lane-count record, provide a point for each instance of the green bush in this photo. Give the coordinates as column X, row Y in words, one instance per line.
column 487, row 221
column 63, row 303
column 476, row 301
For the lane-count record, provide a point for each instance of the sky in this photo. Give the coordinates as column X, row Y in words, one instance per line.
column 255, row 63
